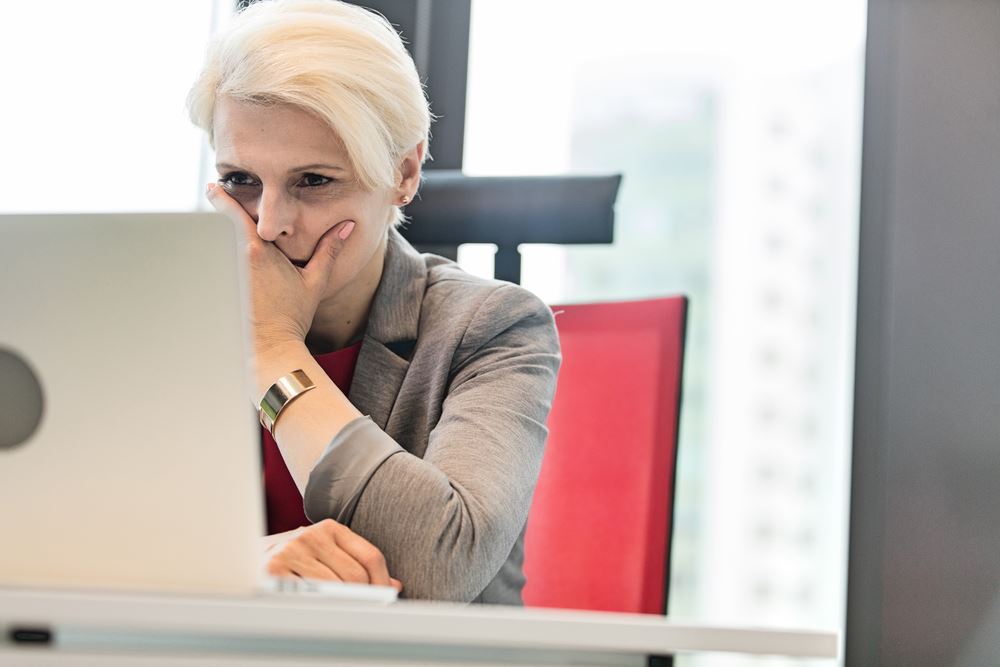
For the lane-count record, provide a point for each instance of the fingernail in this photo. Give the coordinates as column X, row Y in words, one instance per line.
column 346, row 231
column 209, row 188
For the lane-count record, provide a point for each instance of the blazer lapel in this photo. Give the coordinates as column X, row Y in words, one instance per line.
column 391, row 331
column 378, row 375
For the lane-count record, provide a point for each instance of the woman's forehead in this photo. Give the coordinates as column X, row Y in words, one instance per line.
column 246, row 131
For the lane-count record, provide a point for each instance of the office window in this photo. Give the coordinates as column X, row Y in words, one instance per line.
column 93, row 116
column 737, row 127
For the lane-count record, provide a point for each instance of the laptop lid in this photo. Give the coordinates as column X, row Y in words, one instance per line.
column 129, row 456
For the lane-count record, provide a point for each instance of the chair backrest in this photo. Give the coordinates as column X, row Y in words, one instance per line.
column 452, row 208
column 598, row 534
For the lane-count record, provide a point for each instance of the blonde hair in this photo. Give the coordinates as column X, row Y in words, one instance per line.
column 343, row 63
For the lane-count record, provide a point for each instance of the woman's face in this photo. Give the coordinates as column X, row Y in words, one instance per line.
column 291, row 173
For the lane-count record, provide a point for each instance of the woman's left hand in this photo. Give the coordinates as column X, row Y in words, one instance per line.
column 332, row 551
column 284, row 298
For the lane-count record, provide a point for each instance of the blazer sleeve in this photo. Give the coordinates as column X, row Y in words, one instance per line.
column 447, row 522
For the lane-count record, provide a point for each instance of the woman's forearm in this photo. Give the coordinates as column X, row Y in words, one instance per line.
column 308, row 423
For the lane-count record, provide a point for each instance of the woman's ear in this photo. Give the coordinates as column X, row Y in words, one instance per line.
column 409, row 173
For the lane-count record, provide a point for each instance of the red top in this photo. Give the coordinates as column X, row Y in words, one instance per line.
column 282, row 497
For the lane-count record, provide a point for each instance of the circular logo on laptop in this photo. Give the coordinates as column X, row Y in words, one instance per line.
column 20, row 400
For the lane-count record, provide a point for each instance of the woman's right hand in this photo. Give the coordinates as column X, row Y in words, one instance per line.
column 284, row 297
column 331, row 551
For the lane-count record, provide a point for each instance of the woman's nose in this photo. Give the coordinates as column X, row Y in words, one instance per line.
column 275, row 215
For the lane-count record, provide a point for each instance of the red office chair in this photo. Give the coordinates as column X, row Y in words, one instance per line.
column 598, row 532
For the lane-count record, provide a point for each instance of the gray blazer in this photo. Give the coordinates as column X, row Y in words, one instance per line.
column 456, row 376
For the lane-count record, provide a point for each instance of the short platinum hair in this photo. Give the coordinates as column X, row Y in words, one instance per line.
column 340, row 62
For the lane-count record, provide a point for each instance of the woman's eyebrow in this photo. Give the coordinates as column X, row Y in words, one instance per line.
column 225, row 166
column 307, row 167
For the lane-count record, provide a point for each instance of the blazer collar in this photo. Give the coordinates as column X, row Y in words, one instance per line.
column 395, row 311
column 391, row 332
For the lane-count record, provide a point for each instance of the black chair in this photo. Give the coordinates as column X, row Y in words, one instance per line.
column 452, row 208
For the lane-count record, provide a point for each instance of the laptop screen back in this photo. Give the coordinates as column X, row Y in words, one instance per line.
column 129, row 456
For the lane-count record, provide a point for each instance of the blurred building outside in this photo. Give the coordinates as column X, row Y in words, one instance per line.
column 738, row 131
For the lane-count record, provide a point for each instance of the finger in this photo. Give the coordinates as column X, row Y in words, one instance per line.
column 276, row 568
column 343, row 564
column 313, row 569
column 229, row 207
column 362, row 551
column 320, row 265
column 397, row 584
column 305, row 565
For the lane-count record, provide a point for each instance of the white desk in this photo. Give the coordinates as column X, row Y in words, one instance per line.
column 88, row 628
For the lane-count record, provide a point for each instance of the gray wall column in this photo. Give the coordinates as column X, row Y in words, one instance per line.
column 924, row 581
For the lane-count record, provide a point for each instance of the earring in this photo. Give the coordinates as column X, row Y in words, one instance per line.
column 406, row 200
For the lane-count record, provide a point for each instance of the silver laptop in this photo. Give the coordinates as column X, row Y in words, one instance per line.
column 129, row 453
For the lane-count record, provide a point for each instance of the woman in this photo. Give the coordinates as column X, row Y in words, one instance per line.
column 414, row 455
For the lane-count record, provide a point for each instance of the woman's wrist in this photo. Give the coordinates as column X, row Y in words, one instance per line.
column 275, row 361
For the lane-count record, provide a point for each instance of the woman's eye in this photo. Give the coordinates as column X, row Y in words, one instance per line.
column 314, row 180
column 237, row 179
